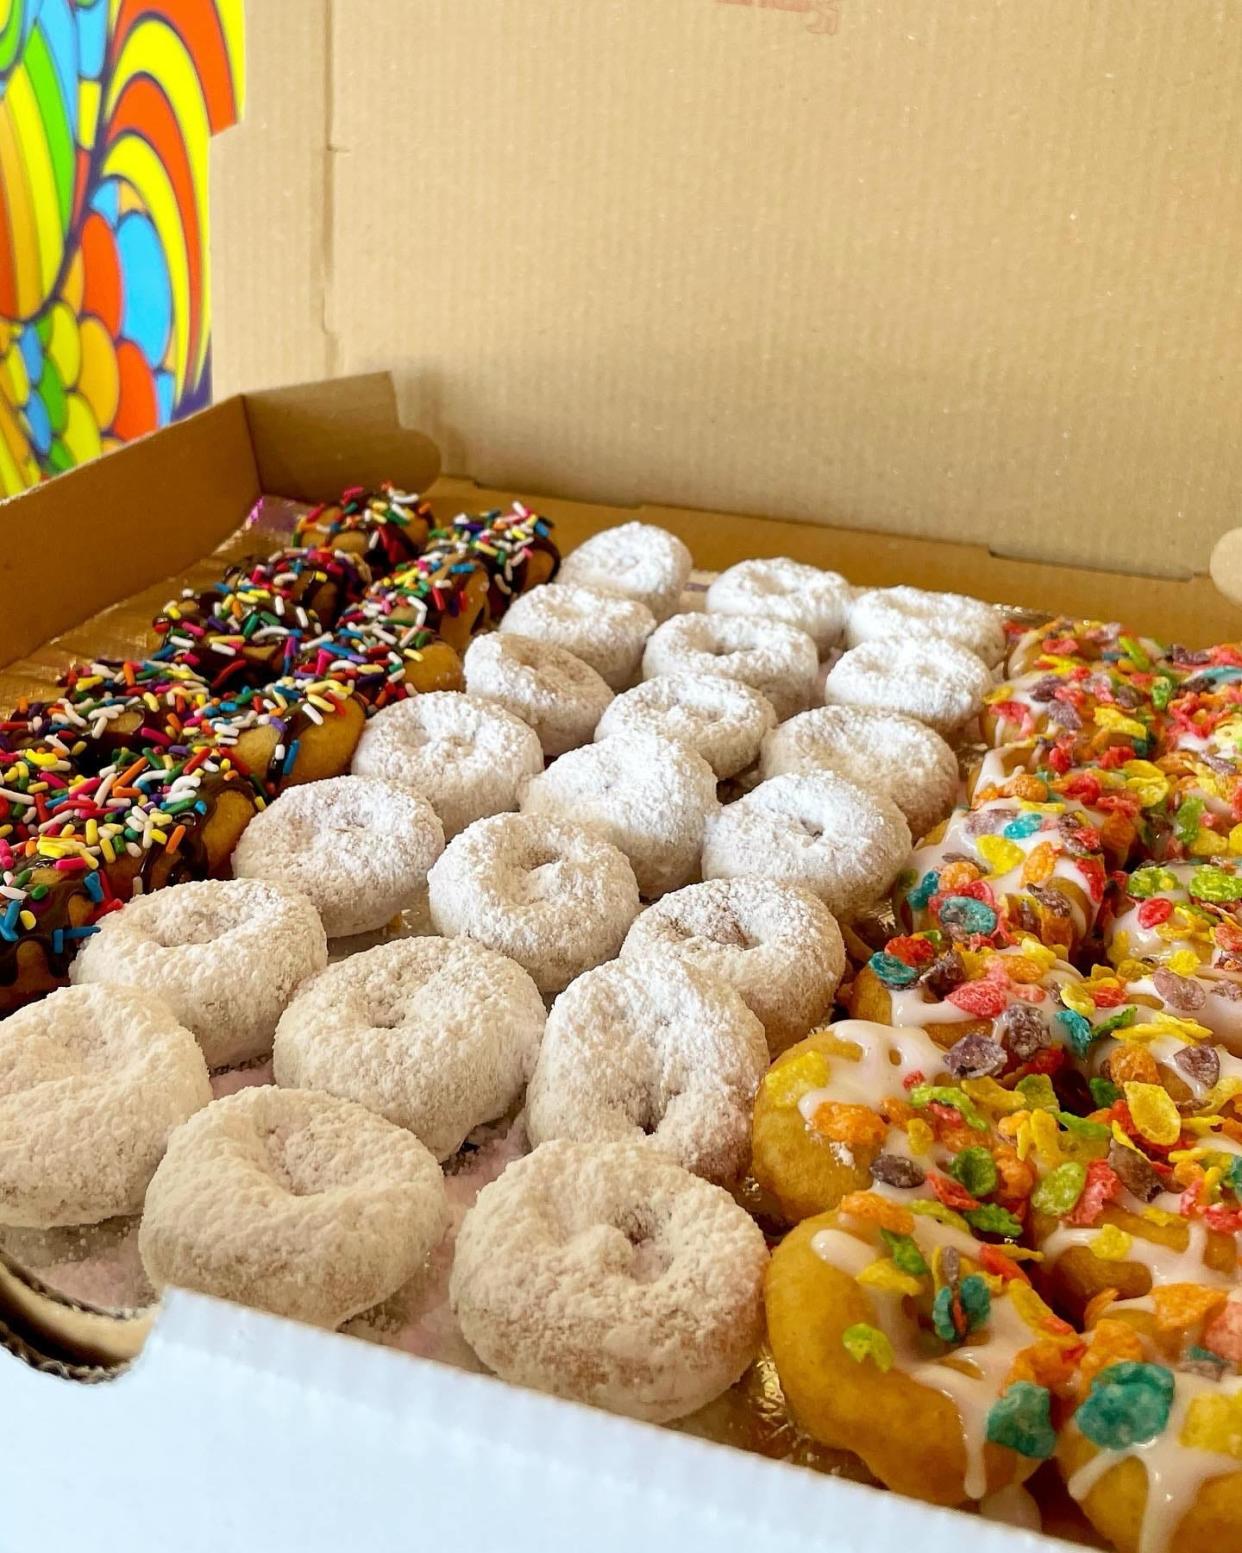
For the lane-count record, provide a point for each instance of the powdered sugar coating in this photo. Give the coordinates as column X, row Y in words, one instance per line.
column 554, row 897
column 886, row 753
column 776, row 659
column 654, row 1052
column 92, row 1082
column 721, row 719
column 559, row 696
column 648, row 796
column 634, row 560
column 816, row 830
column 603, row 629
column 778, row 588
column 226, row 955
column 437, row 1034
column 607, row 1274
column 357, row 847
column 465, row 756
column 887, row 614
column 777, row 945
column 297, row 1203
column 925, row 677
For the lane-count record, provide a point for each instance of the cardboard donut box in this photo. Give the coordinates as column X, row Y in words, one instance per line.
column 936, row 295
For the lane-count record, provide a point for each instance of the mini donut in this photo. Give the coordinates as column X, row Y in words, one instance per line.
column 722, row 719
column 1087, row 641
column 816, row 830
column 649, row 796
column 1085, row 711
column 234, row 636
column 928, row 678
column 635, row 560
column 466, row 756
column 445, row 590
column 386, row 526
column 294, row 1202
column 607, row 1274
column 357, row 848
column 814, row 601
column 552, row 896
column 326, row 582
column 559, row 696
column 225, row 954
column 778, row 660
column 884, row 752
column 439, row 1035
column 295, row 729
column 777, row 945
column 603, row 629
column 92, row 1082
column 516, row 548
column 381, row 661
column 651, row 1049
column 900, row 614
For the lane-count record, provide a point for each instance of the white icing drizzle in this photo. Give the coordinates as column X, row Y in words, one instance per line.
column 911, row 1006
column 888, row 1056
column 1165, row 1264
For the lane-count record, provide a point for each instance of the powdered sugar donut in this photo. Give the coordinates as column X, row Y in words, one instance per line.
column 884, row 752
column 652, row 1050
column 465, row 756
column 900, row 614
column 780, row 589
column 92, row 1082
column 778, row 660
column 777, row 945
column 649, row 796
column 437, row 1034
column 607, row 1274
column 817, row 830
column 603, row 629
column 722, row 719
column 551, row 895
column 297, row 1203
column 925, row 677
column 225, row 954
column 356, row 847
column 559, row 696
column 635, row 560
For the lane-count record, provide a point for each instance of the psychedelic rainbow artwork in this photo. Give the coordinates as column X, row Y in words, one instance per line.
column 106, row 110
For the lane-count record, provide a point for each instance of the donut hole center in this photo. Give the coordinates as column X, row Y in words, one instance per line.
column 648, row 1261
column 292, row 1163
column 186, row 928
column 385, row 1012
column 542, row 874
column 811, row 829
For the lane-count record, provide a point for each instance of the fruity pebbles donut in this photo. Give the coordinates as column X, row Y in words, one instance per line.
column 437, row 1034
column 899, row 614
column 466, row 756
column 884, row 752
column 92, row 1082
column 780, row 589
column 778, row 660
column 356, row 847
column 559, row 696
column 604, row 630
column 226, row 955
column 925, row 677
column 722, row 719
column 634, row 560
column 607, row 1274
column 294, row 1202
column 651, row 1050
column 552, row 896
column 817, row 830
column 648, row 796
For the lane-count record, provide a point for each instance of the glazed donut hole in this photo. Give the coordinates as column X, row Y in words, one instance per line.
column 722, row 720
column 550, row 895
column 899, row 614
column 817, row 830
column 357, row 848
column 559, row 696
column 928, row 678
column 775, row 659
column 884, row 752
column 635, row 561
column 298, row 1203
column 814, row 601
column 465, row 756
column 437, row 1035
column 648, row 796
column 778, row 946
column 607, row 1274
column 226, row 955
column 651, row 1049
column 606, row 631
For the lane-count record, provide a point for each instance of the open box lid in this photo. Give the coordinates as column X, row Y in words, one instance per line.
column 967, row 269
